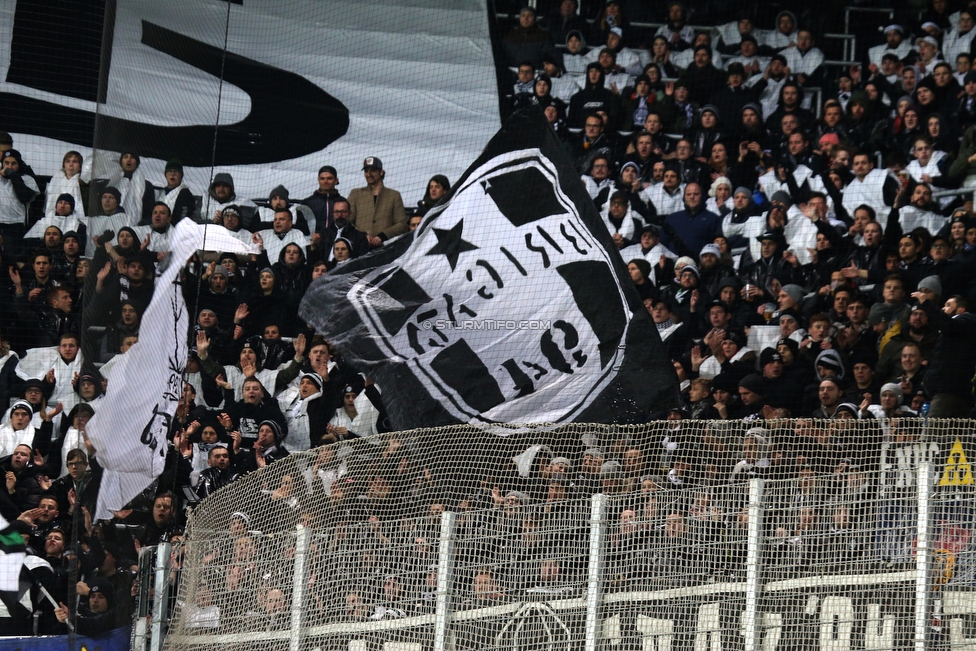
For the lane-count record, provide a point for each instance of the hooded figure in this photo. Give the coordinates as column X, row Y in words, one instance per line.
column 829, row 364
column 219, row 198
column 592, row 98
column 132, row 247
column 307, row 412
column 17, row 191
column 575, row 62
column 783, row 33
column 265, row 301
column 704, row 137
column 70, row 437
column 292, row 279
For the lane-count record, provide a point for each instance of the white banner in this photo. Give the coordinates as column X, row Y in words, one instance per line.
column 416, row 83
column 130, row 429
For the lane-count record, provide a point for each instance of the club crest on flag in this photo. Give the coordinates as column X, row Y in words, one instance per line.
column 462, row 305
column 508, row 304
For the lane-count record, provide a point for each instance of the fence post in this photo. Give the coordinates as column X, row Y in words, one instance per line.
column 923, row 556
column 750, row 617
column 160, row 597
column 445, row 574
column 594, row 571
column 299, row 573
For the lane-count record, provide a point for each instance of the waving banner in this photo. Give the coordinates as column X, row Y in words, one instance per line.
column 130, row 428
column 266, row 91
column 508, row 304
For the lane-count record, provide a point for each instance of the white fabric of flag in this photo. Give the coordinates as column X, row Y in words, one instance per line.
column 130, row 429
column 433, row 99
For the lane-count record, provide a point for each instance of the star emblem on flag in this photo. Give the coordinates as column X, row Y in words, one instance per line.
column 451, row 244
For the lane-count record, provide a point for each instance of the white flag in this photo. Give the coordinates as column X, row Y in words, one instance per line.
column 130, row 429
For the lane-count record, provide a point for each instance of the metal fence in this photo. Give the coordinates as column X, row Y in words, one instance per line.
column 864, row 556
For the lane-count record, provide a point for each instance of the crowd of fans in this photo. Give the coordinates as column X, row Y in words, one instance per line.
column 676, row 515
column 734, row 206
column 79, row 276
column 742, row 218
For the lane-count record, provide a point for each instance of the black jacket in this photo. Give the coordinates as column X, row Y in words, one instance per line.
column 592, row 98
column 703, row 82
column 322, row 206
column 46, row 323
column 358, row 239
column 245, row 461
column 954, row 360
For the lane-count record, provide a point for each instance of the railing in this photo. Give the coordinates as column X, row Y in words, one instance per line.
column 955, row 192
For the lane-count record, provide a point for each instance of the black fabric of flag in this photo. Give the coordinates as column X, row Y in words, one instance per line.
column 509, row 304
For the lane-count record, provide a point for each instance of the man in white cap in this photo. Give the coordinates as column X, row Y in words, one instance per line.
column 928, row 55
column 895, row 44
column 745, row 220
column 712, row 272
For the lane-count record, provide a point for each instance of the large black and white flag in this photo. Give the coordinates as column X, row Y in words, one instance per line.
column 130, row 428
column 509, row 304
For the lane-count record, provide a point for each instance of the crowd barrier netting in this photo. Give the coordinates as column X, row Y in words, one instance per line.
column 467, row 538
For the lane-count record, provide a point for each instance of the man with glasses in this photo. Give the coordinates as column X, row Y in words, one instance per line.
column 598, row 183
column 689, row 169
column 84, row 477
column 591, row 143
column 340, row 227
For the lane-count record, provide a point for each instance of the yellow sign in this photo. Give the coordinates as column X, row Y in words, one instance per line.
column 957, row 472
